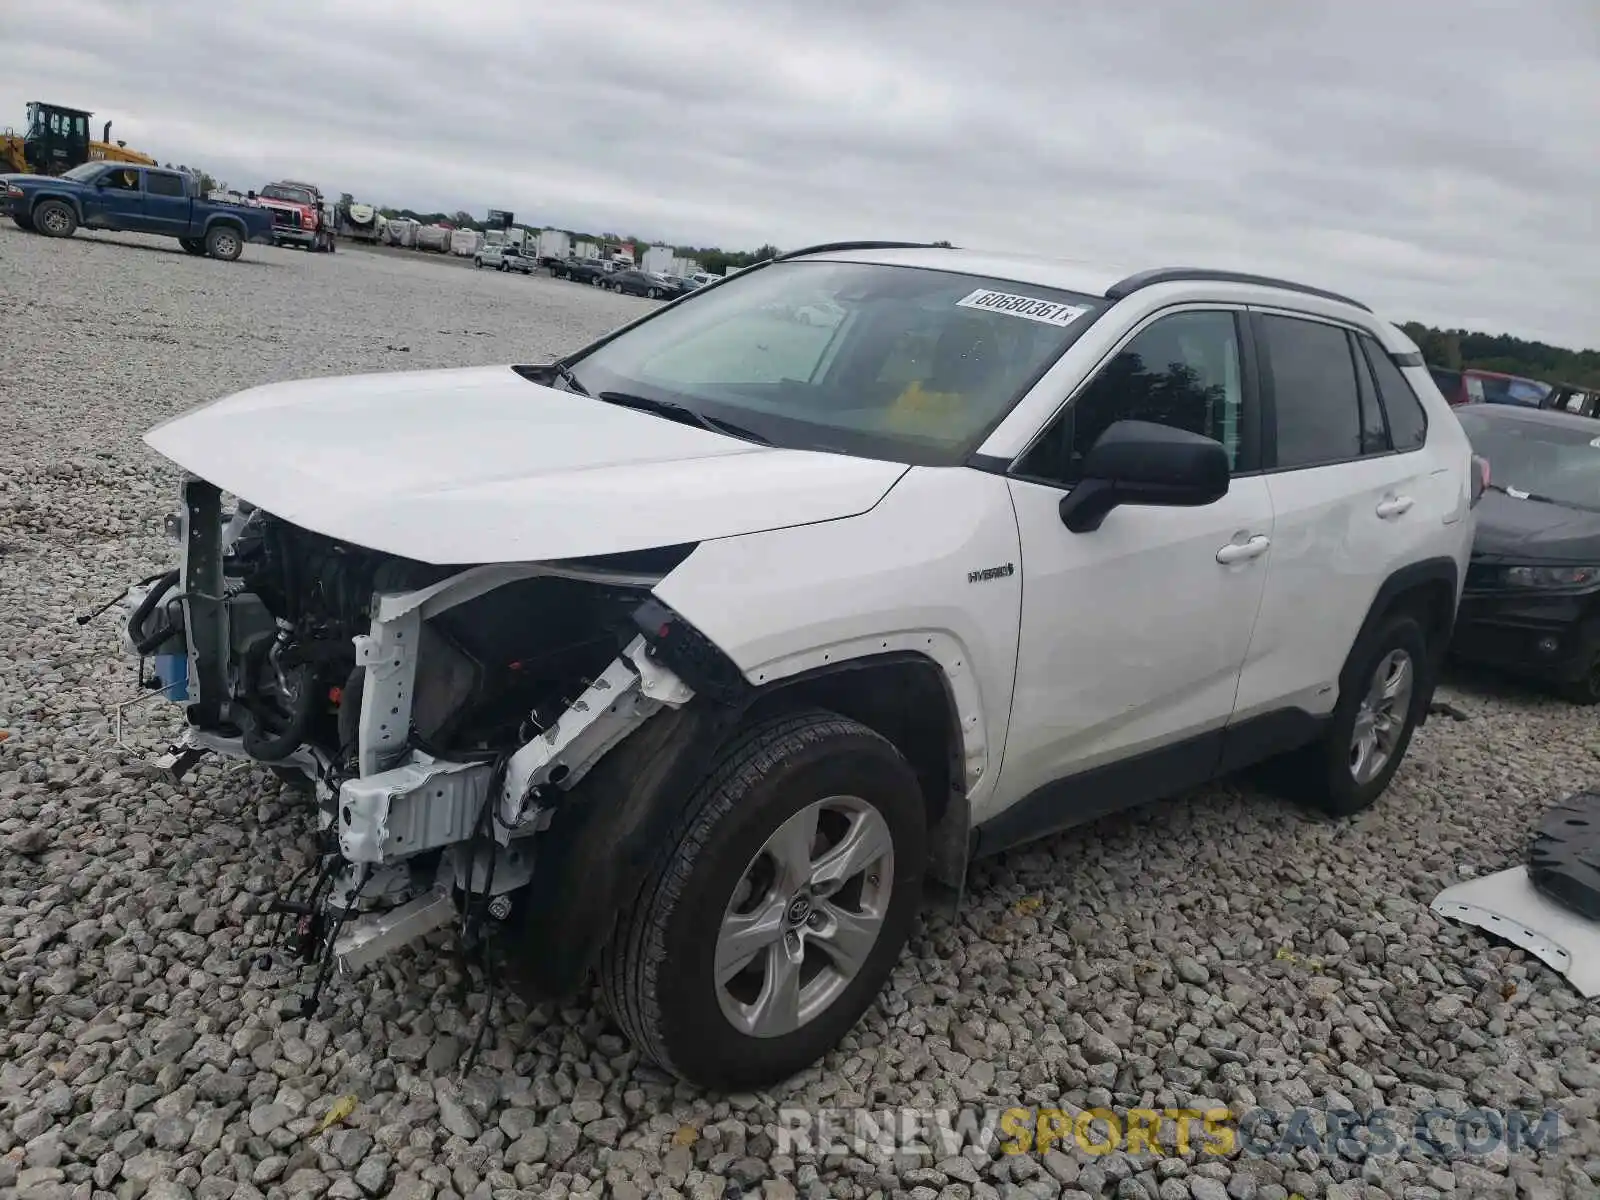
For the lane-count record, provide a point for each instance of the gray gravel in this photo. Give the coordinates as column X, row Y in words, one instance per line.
column 1227, row 950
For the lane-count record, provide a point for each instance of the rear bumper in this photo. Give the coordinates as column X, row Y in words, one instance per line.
column 1552, row 637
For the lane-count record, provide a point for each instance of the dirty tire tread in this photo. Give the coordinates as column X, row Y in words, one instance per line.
column 631, row 961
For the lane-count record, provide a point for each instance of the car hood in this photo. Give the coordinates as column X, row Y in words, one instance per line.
column 478, row 465
column 1531, row 531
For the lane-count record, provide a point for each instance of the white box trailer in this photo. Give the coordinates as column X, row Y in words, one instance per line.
column 684, row 267
column 555, row 244
column 586, row 250
column 658, row 260
column 464, row 243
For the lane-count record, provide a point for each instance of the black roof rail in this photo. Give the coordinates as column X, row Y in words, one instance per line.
column 827, row 247
column 1143, row 279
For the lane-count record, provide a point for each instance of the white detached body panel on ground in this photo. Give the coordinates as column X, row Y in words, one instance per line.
column 692, row 656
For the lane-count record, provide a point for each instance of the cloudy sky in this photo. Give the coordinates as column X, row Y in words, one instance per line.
column 1438, row 158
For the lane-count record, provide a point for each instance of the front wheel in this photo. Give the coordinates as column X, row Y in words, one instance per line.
column 224, row 242
column 55, row 219
column 1382, row 695
column 193, row 245
column 776, row 909
column 653, row 294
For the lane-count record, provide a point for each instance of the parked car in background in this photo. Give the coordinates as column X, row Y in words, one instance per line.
column 633, row 282
column 1532, row 599
column 701, row 278
column 1476, row 386
column 1567, row 397
column 581, row 270
column 680, row 285
column 504, row 256
column 122, row 196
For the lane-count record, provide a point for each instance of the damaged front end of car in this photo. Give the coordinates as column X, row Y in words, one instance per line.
column 454, row 722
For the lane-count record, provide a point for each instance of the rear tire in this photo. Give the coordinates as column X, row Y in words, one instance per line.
column 743, row 879
column 193, row 245
column 55, row 219
column 224, row 242
column 1382, row 695
column 1585, row 691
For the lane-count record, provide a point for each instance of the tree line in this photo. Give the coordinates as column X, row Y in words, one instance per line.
column 1460, row 348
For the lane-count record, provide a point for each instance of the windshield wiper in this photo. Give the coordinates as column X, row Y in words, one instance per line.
column 683, row 414
column 568, row 378
column 1519, row 494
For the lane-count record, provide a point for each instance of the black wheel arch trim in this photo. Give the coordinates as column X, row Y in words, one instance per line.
column 1425, row 574
column 594, row 855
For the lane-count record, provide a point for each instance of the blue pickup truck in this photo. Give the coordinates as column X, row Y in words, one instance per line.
column 135, row 199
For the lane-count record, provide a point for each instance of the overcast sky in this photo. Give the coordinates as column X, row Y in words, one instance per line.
column 1438, row 158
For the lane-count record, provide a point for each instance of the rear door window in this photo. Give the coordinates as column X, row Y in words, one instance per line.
column 1316, row 403
column 158, row 183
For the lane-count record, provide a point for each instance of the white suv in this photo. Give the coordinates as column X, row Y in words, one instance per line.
column 695, row 655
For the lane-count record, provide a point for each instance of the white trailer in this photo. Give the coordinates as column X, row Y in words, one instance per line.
column 464, row 243
column 658, row 260
column 554, row 245
column 586, row 250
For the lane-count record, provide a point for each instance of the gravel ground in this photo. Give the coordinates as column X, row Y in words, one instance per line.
column 1226, row 950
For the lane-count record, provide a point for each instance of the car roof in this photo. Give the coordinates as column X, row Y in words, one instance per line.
column 1526, row 413
column 1073, row 275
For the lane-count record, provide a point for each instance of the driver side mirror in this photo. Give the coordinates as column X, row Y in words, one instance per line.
column 1139, row 462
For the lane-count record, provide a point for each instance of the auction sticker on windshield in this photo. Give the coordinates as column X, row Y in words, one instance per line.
column 1049, row 312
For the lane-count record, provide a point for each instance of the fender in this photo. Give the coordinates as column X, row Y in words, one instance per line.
column 70, row 199
column 1432, row 587
column 227, row 219
column 599, row 846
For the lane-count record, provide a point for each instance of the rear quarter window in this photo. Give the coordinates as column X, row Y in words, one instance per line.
column 1408, row 420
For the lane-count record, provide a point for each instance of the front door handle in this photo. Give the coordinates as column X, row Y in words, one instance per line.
column 1394, row 506
column 1235, row 552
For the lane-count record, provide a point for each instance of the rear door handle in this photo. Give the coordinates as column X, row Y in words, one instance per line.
column 1394, row 506
column 1235, row 552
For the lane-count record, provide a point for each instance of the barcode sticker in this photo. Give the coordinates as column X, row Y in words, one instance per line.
column 1031, row 308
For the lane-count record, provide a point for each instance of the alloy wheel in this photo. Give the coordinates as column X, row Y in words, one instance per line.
column 804, row 916
column 1381, row 718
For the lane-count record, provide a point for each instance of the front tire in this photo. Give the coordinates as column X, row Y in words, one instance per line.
column 777, row 908
column 55, row 219
column 224, row 242
column 1382, row 694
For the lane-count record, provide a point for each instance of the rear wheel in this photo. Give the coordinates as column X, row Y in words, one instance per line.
column 1382, row 694
column 224, row 242
column 193, row 245
column 1586, row 690
column 777, row 907
column 55, row 219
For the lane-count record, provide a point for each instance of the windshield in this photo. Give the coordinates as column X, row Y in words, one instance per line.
column 1534, row 460
column 83, row 172
column 276, row 191
column 903, row 363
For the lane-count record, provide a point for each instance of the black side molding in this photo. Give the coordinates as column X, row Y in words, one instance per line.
column 1143, row 279
column 1412, row 359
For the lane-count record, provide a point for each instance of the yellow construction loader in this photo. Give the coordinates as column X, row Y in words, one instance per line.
column 57, row 139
